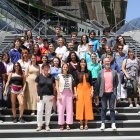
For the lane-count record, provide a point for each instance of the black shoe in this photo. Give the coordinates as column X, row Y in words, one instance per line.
column 14, row 120
column 21, row 120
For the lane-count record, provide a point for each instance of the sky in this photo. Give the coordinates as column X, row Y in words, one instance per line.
column 133, row 9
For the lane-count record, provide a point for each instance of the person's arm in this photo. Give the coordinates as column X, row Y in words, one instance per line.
column 57, row 88
column 24, row 84
column 7, row 83
column 124, row 68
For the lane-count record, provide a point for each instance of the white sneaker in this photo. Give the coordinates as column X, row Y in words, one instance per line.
column 131, row 105
column 116, row 112
column 39, row 128
column 102, row 126
column 113, row 126
column 108, row 112
column 47, row 128
column 139, row 112
column 137, row 105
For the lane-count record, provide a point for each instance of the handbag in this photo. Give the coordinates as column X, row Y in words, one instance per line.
column 128, row 84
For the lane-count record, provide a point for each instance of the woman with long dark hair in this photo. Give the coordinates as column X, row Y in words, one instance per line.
column 17, row 81
column 83, row 93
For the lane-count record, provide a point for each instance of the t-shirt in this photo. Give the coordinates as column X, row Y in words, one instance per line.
column 2, row 71
column 15, row 55
column 45, row 85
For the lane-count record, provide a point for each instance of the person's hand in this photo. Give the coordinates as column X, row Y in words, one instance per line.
column 59, row 97
column 52, row 99
column 38, row 98
column 91, row 94
column 96, row 100
column 4, row 93
column 127, row 76
column 75, row 96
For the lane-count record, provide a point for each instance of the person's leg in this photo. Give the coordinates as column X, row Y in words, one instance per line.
column 48, row 109
column 13, row 101
column 61, row 109
column 69, row 108
column 21, row 104
column 104, row 107
column 112, row 99
column 40, row 108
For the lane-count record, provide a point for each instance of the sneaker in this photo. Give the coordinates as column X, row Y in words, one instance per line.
column 14, row 120
column 33, row 114
column 116, row 112
column 113, row 126
column 1, row 121
column 137, row 105
column 21, row 120
column 47, row 128
column 108, row 112
column 131, row 105
column 102, row 126
column 39, row 128
column 139, row 112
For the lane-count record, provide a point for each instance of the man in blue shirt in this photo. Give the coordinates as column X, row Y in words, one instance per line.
column 15, row 53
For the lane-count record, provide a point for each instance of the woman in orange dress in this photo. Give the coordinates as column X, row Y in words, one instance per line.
column 83, row 92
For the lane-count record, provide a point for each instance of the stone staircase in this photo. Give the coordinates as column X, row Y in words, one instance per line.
column 9, row 39
column 127, row 122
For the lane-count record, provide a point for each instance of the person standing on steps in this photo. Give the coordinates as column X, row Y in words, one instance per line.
column 107, row 83
column 44, row 87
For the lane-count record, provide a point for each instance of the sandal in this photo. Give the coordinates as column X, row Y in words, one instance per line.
column 81, row 127
column 68, row 127
column 86, row 127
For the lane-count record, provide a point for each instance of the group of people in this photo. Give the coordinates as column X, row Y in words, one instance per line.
column 59, row 76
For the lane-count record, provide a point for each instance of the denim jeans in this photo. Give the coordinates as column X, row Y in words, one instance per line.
column 111, row 97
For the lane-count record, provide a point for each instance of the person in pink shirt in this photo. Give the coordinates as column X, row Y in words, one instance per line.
column 107, row 83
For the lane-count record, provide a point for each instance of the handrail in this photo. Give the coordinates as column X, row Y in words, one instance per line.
column 15, row 20
column 5, row 48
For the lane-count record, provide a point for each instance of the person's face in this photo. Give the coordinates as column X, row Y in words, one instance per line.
column 84, row 39
column 44, row 59
column 16, row 67
column 30, row 43
column 103, row 42
column 46, row 70
column 120, row 49
column 24, row 54
column 36, row 48
column 29, row 33
column 33, row 59
column 93, row 57
column 120, row 39
column 70, row 46
column 51, row 47
column 82, row 64
column 18, row 43
column 131, row 54
column 107, row 49
column 92, row 35
column 110, row 57
column 74, row 37
column 58, row 30
column 56, row 62
column 60, row 41
column 107, row 63
column 90, row 46
column 22, row 39
column 73, row 57
column 106, row 33
column 5, row 57
column 65, row 68
column 45, row 43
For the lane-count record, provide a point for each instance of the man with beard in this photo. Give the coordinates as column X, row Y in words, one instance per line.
column 107, row 83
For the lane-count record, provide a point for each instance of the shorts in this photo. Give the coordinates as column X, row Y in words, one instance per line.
column 16, row 89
